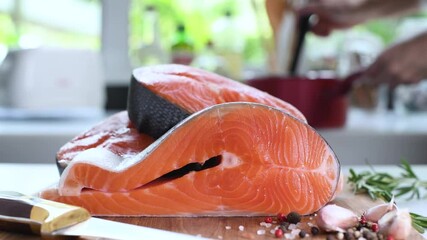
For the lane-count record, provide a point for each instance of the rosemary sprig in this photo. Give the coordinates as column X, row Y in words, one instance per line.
column 384, row 186
column 377, row 185
column 419, row 222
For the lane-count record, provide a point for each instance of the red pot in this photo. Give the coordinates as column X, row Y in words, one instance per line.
column 323, row 101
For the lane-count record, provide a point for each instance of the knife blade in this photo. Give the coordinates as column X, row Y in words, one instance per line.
column 29, row 214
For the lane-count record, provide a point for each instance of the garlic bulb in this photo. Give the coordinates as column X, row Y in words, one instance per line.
column 336, row 218
column 374, row 214
column 396, row 223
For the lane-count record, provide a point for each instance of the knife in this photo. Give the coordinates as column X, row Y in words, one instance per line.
column 29, row 214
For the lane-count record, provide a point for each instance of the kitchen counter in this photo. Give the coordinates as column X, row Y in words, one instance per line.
column 376, row 137
column 38, row 140
column 31, row 178
column 380, row 137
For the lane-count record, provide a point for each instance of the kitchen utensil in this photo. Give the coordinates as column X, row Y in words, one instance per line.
column 285, row 41
column 282, row 23
column 29, row 214
column 322, row 100
column 303, row 27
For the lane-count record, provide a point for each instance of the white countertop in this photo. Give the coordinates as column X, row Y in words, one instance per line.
column 31, row 178
column 376, row 137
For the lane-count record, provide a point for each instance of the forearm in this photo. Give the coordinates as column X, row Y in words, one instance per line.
column 392, row 8
column 401, row 63
column 419, row 40
column 339, row 14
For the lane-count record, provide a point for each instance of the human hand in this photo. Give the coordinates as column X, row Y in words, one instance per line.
column 402, row 63
column 339, row 14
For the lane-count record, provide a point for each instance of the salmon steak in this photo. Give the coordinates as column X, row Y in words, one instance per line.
column 116, row 134
column 228, row 159
column 161, row 96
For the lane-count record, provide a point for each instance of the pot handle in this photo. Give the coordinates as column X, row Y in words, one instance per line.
column 347, row 83
column 344, row 86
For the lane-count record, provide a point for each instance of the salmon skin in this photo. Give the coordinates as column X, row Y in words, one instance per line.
column 162, row 96
column 227, row 159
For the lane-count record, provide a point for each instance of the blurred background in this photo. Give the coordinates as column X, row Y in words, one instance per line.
column 233, row 38
column 65, row 64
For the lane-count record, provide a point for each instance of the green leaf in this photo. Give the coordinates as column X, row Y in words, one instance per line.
column 417, row 227
column 403, row 190
column 408, row 170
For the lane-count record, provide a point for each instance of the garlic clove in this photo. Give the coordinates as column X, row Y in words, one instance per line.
column 374, row 214
column 396, row 223
column 335, row 218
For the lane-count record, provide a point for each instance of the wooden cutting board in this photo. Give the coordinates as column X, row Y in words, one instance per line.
column 228, row 227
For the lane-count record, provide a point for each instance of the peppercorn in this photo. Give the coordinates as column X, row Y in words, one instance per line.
column 268, row 220
column 365, row 232
column 278, row 233
column 293, row 217
column 330, row 237
column 281, row 217
column 284, row 226
column 314, row 231
column 362, row 220
column 357, row 234
column 375, row 227
column 371, row 236
column 284, row 229
column 347, row 235
column 302, row 234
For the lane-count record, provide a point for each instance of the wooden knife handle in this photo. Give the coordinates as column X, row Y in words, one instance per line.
column 31, row 214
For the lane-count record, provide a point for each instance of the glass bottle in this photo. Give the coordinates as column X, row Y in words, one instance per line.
column 150, row 52
column 182, row 49
column 229, row 44
column 209, row 60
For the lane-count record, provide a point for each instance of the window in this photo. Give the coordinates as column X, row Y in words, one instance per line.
column 205, row 23
column 64, row 23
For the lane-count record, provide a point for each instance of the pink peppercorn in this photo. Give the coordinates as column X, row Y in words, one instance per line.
column 362, row 220
column 375, row 227
column 268, row 220
column 390, row 238
column 278, row 233
column 281, row 217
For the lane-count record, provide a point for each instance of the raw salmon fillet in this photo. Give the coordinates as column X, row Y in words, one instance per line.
column 228, row 159
column 162, row 96
column 116, row 134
